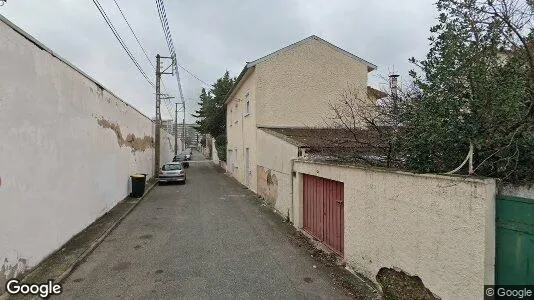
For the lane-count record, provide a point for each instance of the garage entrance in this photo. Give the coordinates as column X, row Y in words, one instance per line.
column 323, row 211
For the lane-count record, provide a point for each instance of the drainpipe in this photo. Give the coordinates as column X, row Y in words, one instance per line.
column 292, row 193
column 300, row 153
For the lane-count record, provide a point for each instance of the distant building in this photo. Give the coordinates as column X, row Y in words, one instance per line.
column 192, row 136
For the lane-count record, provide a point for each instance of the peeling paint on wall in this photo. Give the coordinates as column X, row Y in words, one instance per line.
column 267, row 185
column 137, row 144
column 9, row 270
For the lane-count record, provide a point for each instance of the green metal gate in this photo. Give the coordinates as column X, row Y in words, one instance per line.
column 514, row 240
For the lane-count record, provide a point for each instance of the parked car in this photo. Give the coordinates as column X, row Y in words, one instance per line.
column 172, row 172
column 181, row 158
column 187, row 153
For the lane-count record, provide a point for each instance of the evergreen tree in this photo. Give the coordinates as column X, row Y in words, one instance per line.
column 475, row 87
column 212, row 113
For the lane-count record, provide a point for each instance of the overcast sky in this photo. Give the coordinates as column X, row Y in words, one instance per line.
column 211, row 36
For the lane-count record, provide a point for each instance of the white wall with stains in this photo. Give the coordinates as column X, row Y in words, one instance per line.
column 67, row 148
column 439, row 228
column 274, row 171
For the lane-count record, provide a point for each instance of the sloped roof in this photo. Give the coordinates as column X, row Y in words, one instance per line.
column 331, row 139
column 370, row 66
column 359, row 147
column 377, row 94
column 252, row 64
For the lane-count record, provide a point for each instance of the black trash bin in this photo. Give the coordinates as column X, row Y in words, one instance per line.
column 138, row 185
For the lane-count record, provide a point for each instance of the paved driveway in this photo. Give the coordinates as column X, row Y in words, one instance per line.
column 207, row 239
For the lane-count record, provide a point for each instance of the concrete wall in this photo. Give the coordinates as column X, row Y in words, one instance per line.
column 524, row 191
column 295, row 87
column 440, row 228
column 241, row 132
column 167, row 148
column 67, row 148
column 214, row 155
column 274, row 171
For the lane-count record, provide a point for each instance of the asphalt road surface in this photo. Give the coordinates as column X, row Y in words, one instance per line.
column 206, row 239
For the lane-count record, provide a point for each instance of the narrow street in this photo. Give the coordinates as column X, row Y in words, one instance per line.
column 207, row 239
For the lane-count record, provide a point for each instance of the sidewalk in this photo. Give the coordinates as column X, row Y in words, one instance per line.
column 61, row 263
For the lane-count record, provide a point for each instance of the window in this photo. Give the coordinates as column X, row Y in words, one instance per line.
column 171, row 167
column 247, row 108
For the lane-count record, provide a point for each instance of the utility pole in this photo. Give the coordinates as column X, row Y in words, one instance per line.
column 183, row 125
column 176, row 129
column 158, row 118
column 157, row 133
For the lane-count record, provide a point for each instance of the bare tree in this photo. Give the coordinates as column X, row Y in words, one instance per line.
column 370, row 121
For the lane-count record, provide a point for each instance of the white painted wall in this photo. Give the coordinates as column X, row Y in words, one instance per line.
column 214, row 155
column 241, row 131
column 276, row 155
column 59, row 168
column 167, row 147
column 440, row 228
column 524, row 191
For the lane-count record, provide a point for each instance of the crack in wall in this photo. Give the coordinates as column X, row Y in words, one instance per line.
column 135, row 143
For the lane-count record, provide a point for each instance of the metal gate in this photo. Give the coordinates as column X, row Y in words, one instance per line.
column 323, row 211
column 514, row 239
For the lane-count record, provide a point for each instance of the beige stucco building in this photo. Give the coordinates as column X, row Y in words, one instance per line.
column 292, row 87
column 279, row 130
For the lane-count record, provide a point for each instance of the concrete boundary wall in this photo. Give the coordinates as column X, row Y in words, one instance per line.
column 274, row 177
column 439, row 228
column 214, row 154
column 67, row 148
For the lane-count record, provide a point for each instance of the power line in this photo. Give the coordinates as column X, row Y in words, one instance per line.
column 166, row 30
column 194, row 76
column 168, row 37
column 135, row 36
column 165, row 26
column 119, row 39
column 144, row 51
column 170, row 44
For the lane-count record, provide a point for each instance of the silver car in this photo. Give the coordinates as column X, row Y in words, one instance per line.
column 172, row 172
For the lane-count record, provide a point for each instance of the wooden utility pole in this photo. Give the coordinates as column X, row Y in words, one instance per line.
column 158, row 119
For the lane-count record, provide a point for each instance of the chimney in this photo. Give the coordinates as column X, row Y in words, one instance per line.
column 394, row 96
column 393, row 85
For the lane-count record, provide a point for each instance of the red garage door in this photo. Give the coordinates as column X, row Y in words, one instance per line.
column 323, row 211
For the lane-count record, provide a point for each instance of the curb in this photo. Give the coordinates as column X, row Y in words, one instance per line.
column 92, row 247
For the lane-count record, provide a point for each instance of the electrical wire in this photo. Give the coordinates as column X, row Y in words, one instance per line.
column 135, row 36
column 119, row 39
column 166, row 30
column 170, row 44
column 193, row 75
column 167, row 104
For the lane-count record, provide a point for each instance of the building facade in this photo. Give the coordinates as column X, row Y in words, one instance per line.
column 289, row 88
